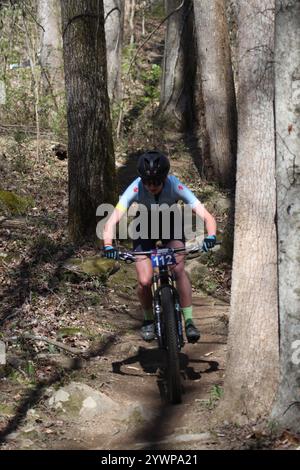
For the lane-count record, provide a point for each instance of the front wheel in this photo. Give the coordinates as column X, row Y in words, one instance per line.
column 171, row 341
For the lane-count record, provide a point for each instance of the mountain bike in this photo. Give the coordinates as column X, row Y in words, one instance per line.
column 167, row 311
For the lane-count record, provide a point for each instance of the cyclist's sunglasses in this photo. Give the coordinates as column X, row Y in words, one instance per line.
column 152, row 181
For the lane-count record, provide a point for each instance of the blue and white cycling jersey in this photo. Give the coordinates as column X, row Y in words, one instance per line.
column 173, row 191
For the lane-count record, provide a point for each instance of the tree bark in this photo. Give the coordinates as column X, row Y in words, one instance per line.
column 114, row 25
column 91, row 154
column 252, row 369
column 51, row 59
column 179, row 66
column 217, row 86
column 131, row 21
column 127, row 8
column 287, row 100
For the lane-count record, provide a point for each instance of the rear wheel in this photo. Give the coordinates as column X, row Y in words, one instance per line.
column 171, row 341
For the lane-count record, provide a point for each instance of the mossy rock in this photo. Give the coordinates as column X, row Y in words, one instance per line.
column 198, row 273
column 202, row 279
column 92, row 266
column 73, row 331
column 7, row 410
column 13, row 204
column 78, row 400
column 29, row 433
column 66, row 331
column 125, row 280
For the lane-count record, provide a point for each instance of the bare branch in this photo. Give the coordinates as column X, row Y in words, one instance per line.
column 290, row 405
column 58, row 344
column 111, row 11
column 152, row 33
column 25, row 8
column 76, row 17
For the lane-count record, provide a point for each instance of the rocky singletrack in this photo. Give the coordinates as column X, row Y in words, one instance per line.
column 115, row 399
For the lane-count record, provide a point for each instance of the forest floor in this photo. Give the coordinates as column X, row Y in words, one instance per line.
column 106, row 392
column 77, row 373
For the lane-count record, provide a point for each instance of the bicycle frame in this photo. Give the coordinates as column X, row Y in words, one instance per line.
column 159, row 280
column 162, row 277
column 167, row 312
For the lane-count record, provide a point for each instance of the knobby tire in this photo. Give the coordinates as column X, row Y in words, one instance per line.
column 174, row 389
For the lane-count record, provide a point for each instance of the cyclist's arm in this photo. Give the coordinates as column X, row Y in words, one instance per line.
column 108, row 232
column 127, row 198
column 209, row 220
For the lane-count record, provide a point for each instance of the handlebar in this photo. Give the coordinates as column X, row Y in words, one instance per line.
column 130, row 256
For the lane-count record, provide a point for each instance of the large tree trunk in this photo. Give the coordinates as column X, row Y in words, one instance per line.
column 91, row 155
column 114, row 22
column 179, row 65
column 287, row 94
column 217, row 87
column 51, row 59
column 252, row 371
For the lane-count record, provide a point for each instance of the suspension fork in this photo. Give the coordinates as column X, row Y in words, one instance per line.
column 165, row 278
column 178, row 315
column 159, row 279
column 157, row 308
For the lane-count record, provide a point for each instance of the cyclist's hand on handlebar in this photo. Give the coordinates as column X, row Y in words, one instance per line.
column 209, row 242
column 110, row 252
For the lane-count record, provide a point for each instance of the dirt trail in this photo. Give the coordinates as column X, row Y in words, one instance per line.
column 124, row 370
column 123, row 380
column 202, row 367
column 129, row 373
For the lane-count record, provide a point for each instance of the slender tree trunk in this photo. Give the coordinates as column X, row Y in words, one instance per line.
column 31, row 51
column 287, row 99
column 114, row 23
column 127, row 8
column 143, row 23
column 217, row 86
column 91, row 155
column 131, row 20
column 51, row 59
column 179, row 65
column 252, row 371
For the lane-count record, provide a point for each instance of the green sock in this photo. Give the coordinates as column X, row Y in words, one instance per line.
column 187, row 314
column 148, row 314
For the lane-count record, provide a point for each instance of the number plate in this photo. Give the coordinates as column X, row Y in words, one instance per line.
column 160, row 260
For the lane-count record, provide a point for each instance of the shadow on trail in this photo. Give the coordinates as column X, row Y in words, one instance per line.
column 152, row 362
column 34, row 395
column 27, row 279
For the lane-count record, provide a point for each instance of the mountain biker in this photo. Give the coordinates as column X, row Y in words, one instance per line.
column 155, row 186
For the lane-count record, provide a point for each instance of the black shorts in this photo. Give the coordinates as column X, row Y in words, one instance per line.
column 146, row 244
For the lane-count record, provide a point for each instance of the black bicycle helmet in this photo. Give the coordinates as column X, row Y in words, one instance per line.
column 153, row 165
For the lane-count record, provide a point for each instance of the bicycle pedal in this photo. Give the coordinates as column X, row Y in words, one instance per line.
column 149, row 340
column 193, row 340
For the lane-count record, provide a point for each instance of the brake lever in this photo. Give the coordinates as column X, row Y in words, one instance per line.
column 194, row 249
column 127, row 258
